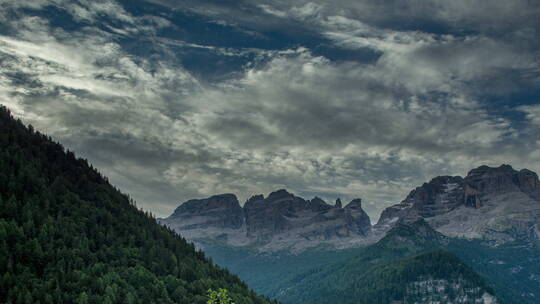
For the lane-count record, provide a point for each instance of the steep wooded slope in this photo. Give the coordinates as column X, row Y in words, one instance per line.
column 68, row 236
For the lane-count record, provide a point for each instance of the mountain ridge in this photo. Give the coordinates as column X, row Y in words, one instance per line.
column 272, row 223
column 498, row 204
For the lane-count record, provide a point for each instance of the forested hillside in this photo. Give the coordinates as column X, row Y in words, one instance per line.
column 406, row 266
column 68, row 236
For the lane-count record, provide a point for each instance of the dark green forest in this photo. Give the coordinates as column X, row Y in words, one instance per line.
column 510, row 269
column 386, row 272
column 68, row 236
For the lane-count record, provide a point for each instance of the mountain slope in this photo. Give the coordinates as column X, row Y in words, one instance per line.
column 406, row 266
column 512, row 269
column 490, row 219
column 68, row 236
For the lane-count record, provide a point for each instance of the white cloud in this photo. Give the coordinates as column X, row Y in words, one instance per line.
column 297, row 120
column 532, row 113
column 312, row 125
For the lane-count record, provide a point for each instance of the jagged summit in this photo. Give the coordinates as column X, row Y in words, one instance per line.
column 279, row 221
column 255, row 198
column 221, row 201
column 354, row 204
column 497, row 203
column 317, row 204
column 279, row 194
column 219, row 211
column 494, row 203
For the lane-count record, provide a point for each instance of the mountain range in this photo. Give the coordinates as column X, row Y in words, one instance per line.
column 499, row 205
column 495, row 204
column 489, row 220
column 68, row 235
column 281, row 221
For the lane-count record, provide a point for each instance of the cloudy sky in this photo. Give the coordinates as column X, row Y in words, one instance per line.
column 347, row 98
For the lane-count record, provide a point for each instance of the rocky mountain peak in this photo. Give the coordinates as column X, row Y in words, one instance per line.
column 354, row 204
column 255, row 198
column 528, row 182
column 483, row 170
column 197, row 206
column 317, row 204
column 440, row 195
column 219, row 211
column 486, row 179
column 279, row 194
column 253, row 201
column 358, row 220
column 279, row 221
column 490, row 202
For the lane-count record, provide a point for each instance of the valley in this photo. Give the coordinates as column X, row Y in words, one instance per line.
column 488, row 220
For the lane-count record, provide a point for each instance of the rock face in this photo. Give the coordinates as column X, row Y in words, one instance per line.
column 338, row 203
column 279, row 221
column 222, row 211
column 215, row 217
column 441, row 195
column 357, row 219
column 496, row 203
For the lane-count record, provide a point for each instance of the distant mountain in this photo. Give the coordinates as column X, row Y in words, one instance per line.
column 511, row 269
column 406, row 266
column 498, row 205
column 489, row 219
column 281, row 221
column 68, row 236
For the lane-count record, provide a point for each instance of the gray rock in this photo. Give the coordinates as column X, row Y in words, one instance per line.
column 357, row 219
column 499, row 204
column 221, row 211
column 338, row 203
column 441, row 195
column 267, row 217
column 279, row 221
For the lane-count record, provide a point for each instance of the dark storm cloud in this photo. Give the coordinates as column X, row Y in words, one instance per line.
column 336, row 99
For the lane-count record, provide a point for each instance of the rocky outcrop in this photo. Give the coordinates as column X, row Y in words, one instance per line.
column 219, row 217
column 357, row 219
column 220, row 211
column 441, row 195
column 338, row 203
column 279, row 221
column 494, row 203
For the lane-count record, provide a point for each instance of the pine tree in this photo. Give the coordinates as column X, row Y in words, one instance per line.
column 68, row 236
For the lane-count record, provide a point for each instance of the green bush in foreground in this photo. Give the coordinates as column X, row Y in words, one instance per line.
column 220, row 296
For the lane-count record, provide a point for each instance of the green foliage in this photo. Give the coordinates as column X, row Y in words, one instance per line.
column 220, row 296
column 68, row 236
column 384, row 272
column 266, row 273
column 512, row 269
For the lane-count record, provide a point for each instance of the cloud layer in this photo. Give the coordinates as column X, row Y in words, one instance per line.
column 353, row 99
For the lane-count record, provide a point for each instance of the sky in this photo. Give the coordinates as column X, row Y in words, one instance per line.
column 175, row 100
